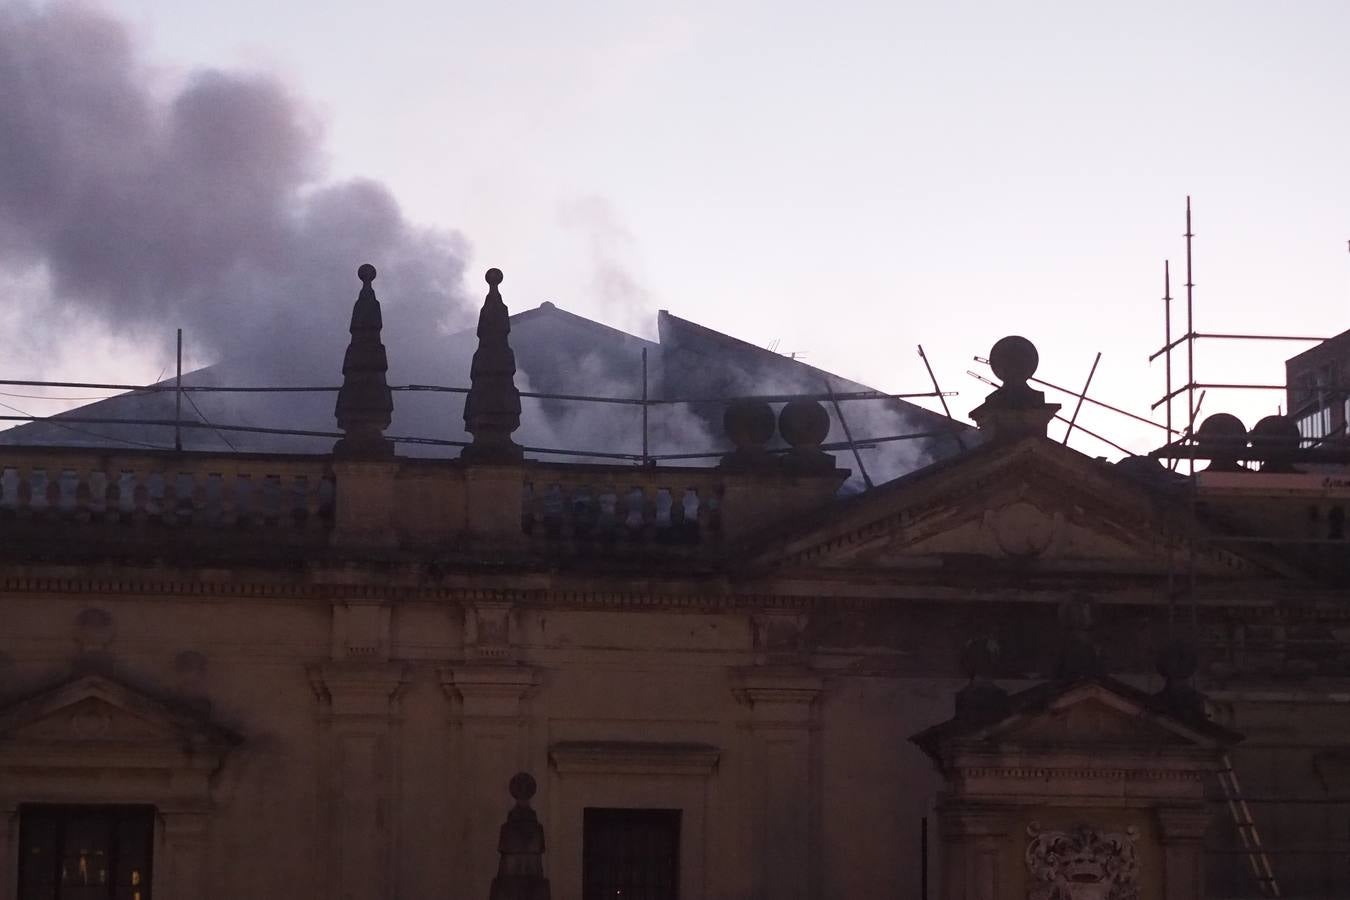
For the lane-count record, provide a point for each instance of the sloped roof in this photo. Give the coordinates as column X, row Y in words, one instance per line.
column 556, row 352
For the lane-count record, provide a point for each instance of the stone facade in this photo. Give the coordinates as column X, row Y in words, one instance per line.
column 322, row 672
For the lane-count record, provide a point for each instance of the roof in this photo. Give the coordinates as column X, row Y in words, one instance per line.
column 556, row 352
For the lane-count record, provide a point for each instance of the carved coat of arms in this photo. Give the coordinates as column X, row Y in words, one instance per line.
column 1083, row 863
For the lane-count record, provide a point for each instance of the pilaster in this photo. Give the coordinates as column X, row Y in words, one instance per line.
column 359, row 778
column 782, row 723
column 973, row 837
column 490, row 720
column 181, row 866
column 1181, row 831
column 9, row 848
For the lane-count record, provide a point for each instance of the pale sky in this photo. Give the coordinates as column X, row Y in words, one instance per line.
column 848, row 180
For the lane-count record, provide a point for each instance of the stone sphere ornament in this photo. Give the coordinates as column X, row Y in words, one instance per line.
column 1014, row 359
column 748, row 423
column 804, row 423
column 523, row 787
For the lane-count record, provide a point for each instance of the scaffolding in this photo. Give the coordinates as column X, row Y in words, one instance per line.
column 643, row 399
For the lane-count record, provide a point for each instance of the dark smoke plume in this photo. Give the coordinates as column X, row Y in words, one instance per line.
column 204, row 210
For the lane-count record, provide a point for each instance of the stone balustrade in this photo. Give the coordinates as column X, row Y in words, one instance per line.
column 54, row 484
column 272, row 503
column 623, row 506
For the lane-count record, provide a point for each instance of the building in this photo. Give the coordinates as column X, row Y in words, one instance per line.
column 268, row 674
column 1318, row 381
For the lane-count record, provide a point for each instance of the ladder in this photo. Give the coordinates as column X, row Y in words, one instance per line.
column 1257, row 857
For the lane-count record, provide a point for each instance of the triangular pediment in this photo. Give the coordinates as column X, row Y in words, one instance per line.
column 1088, row 715
column 1076, row 717
column 1034, row 504
column 97, row 709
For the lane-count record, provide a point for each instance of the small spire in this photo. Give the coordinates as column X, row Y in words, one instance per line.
column 492, row 407
column 364, row 402
column 520, row 848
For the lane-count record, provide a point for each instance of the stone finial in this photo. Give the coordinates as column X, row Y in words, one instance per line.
column 1222, row 438
column 749, row 424
column 364, row 403
column 980, row 698
column 1275, row 441
column 492, row 407
column 1015, row 409
column 520, row 869
column 1177, row 662
column 805, row 424
column 1078, row 656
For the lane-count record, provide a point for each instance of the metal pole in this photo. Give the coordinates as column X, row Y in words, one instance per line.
column 178, row 397
column 1190, row 334
column 937, row 390
column 1074, row 418
column 1190, row 428
column 1072, row 393
column 1167, row 331
column 645, row 460
column 867, row 481
column 923, row 858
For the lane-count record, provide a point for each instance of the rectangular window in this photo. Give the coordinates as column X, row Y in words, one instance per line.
column 630, row 854
column 85, row 852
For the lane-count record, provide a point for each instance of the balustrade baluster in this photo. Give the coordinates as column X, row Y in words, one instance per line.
column 81, row 496
column 269, row 510
column 23, row 507
column 168, row 498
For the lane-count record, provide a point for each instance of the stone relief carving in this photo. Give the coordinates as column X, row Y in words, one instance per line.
column 1083, row 863
column 1022, row 528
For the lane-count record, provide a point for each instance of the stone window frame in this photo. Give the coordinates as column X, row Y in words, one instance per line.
column 73, row 755
column 629, row 775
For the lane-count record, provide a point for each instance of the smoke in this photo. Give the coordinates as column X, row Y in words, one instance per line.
column 127, row 211
column 204, row 209
column 616, row 292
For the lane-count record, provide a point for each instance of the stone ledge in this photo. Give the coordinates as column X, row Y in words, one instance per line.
column 633, row 758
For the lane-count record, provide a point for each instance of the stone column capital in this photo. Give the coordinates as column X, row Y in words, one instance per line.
column 359, row 689
column 490, row 689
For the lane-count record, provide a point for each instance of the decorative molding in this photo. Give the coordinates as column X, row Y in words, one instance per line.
column 1269, row 599
column 490, row 689
column 358, row 689
column 1078, row 773
column 633, row 758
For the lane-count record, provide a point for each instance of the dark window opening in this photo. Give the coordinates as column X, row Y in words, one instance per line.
column 85, row 852
column 630, row 854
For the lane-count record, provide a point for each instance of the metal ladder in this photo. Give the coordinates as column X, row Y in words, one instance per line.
column 1257, row 857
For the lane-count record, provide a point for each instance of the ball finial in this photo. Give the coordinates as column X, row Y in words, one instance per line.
column 366, row 273
column 1014, row 359
column 522, row 785
column 493, row 277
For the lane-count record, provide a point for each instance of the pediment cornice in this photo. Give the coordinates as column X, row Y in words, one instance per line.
column 97, row 713
column 1034, row 500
